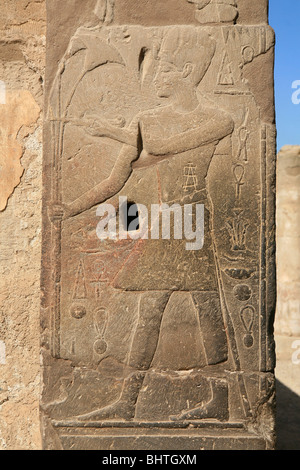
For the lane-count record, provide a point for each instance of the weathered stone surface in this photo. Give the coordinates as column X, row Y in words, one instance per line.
column 189, row 12
column 148, row 344
column 27, row 17
column 18, row 110
column 22, row 56
column 288, row 241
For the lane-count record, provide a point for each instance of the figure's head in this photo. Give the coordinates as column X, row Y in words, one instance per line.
column 185, row 55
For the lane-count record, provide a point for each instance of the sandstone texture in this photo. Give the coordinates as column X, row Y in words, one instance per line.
column 22, row 57
column 153, row 341
column 143, row 343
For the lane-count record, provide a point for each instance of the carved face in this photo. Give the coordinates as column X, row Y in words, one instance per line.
column 169, row 80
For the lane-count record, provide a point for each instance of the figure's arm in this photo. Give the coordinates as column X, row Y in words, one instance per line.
column 114, row 183
column 108, row 187
column 105, row 129
column 215, row 129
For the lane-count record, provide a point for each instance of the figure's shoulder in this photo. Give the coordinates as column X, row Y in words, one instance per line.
column 142, row 116
column 211, row 110
column 219, row 116
column 201, row 116
column 227, row 120
column 160, row 112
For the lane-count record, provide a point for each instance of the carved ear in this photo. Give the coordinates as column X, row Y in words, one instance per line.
column 188, row 69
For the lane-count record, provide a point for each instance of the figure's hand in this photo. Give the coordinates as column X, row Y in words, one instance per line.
column 118, row 121
column 59, row 212
column 94, row 120
column 55, row 213
column 94, row 131
column 95, row 126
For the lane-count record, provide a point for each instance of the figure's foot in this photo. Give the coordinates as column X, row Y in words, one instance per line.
column 216, row 408
column 124, row 408
column 118, row 410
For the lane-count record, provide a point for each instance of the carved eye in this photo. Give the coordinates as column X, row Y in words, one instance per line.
column 166, row 69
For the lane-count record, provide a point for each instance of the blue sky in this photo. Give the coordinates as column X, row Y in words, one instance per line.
column 284, row 17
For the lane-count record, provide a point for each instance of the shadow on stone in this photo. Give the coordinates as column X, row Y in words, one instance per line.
column 288, row 418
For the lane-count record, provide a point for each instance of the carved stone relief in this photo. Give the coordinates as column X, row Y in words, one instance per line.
column 143, row 333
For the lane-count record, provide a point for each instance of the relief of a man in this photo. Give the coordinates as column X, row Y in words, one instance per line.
column 164, row 141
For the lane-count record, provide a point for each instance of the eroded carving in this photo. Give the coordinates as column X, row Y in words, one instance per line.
column 190, row 177
column 215, row 11
column 237, row 229
column 247, row 316
column 158, row 336
column 225, row 74
column 179, row 51
column 104, row 10
column 239, row 173
column 18, row 110
column 100, row 324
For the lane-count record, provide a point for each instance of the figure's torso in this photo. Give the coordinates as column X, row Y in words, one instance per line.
column 181, row 176
column 181, row 179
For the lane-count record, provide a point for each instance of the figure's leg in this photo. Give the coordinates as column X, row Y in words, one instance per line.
column 216, row 350
column 212, row 326
column 144, row 344
column 145, row 340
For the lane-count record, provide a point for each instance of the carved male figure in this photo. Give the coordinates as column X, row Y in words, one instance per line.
column 183, row 133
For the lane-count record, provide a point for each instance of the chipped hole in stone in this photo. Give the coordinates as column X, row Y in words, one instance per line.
column 130, row 216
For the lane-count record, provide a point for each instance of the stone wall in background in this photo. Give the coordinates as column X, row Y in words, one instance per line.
column 22, row 56
column 288, row 241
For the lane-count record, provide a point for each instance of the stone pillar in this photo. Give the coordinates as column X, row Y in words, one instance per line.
column 288, row 241
column 157, row 327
